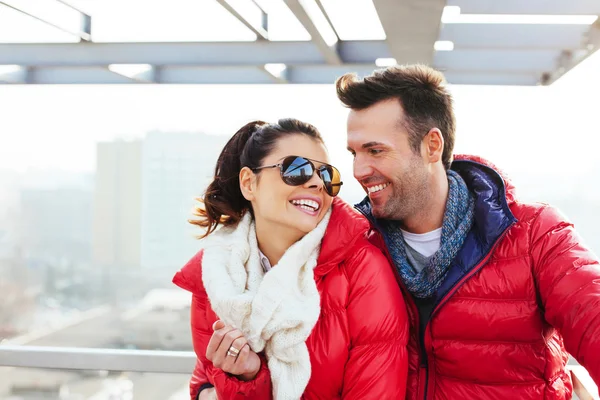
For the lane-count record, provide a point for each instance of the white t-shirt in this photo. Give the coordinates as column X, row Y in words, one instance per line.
column 424, row 243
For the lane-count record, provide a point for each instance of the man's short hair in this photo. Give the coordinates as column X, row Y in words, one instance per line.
column 422, row 92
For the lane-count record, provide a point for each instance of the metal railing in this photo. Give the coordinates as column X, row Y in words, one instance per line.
column 75, row 358
column 178, row 362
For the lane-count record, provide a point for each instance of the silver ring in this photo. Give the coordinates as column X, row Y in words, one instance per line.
column 233, row 352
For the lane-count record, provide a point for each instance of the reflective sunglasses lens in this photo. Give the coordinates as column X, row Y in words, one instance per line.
column 331, row 179
column 297, row 170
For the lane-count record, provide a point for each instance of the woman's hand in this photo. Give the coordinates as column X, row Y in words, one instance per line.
column 228, row 350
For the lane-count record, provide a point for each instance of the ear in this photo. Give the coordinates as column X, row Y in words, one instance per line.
column 247, row 183
column 433, row 145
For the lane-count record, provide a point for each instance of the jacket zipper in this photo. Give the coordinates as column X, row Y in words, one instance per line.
column 425, row 373
column 423, row 363
column 454, row 289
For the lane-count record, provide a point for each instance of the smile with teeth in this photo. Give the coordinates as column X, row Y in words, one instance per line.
column 377, row 188
column 309, row 205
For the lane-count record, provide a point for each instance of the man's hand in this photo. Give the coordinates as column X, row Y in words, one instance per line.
column 208, row 394
column 228, row 350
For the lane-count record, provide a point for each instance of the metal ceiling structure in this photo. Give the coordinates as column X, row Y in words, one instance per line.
column 481, row 53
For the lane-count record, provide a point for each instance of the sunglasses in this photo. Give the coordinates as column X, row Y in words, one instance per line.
column 296, row 171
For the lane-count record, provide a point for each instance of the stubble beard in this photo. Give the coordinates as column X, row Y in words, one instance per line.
column 408, row 197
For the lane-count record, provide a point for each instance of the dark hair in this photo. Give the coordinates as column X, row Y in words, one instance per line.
column 223, row 202
column 422, row 93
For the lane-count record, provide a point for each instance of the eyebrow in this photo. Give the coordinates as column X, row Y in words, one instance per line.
column 368, row 145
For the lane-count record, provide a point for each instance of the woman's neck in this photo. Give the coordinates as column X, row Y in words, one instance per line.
column 274, row 240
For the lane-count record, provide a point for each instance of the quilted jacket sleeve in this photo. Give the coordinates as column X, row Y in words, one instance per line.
column 377, row 366
column 202, row 317
column 199, row 380
column 568, row 279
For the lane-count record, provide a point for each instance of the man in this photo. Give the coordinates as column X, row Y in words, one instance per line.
column 498, row 290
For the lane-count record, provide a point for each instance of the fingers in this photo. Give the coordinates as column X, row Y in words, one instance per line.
column 208, row 394
column 218, row 325
column 241, row 361
column 248, row 364
column 220, row 357
column 237, row 364
column 229, row 350
column 216, row 339
column 236, row 347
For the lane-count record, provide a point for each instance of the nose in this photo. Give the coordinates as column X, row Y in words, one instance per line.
column 361, row 168
column 315, row 182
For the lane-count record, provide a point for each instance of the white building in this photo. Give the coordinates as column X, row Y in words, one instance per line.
column 117, row 205
column 176, row 168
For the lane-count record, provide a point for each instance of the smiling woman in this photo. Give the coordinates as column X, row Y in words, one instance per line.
column 245, row 179
column 285, row 290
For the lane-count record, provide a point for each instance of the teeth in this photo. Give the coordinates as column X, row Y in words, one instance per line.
column 377, row 188
column 307, row 204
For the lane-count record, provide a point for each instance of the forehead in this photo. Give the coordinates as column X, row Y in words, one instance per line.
column 299, row 145
column 382, row 122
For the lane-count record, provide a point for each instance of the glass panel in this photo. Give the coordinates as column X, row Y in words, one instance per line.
column 126, row 21
column 47, row 384
column 16, row 27
column 283, row 25
column 163, row 21
column 358, row 21
column 249, row 11
column 97, row 184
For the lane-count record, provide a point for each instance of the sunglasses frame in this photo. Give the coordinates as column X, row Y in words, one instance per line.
column 315, row 171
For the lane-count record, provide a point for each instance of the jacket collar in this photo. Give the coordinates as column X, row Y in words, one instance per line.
column 346, row 225
column 493, row 195
column 492, row 190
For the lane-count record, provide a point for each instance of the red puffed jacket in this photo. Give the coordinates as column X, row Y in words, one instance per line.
column 521, row 294
column 358, row 345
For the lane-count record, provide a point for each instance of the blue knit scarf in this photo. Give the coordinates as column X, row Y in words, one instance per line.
column 458, row 219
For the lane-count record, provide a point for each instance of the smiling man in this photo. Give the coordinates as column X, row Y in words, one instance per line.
column 499, row 291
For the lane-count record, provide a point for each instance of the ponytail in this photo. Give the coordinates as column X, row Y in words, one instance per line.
column 223, row 202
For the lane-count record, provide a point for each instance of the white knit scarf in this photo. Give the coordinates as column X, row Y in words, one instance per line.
column 275, row 311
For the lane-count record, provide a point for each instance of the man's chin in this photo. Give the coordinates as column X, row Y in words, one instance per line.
column 378, row 212
column 378, row 207
column 384, row 211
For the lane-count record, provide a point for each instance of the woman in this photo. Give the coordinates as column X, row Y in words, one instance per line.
column 290, row 300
